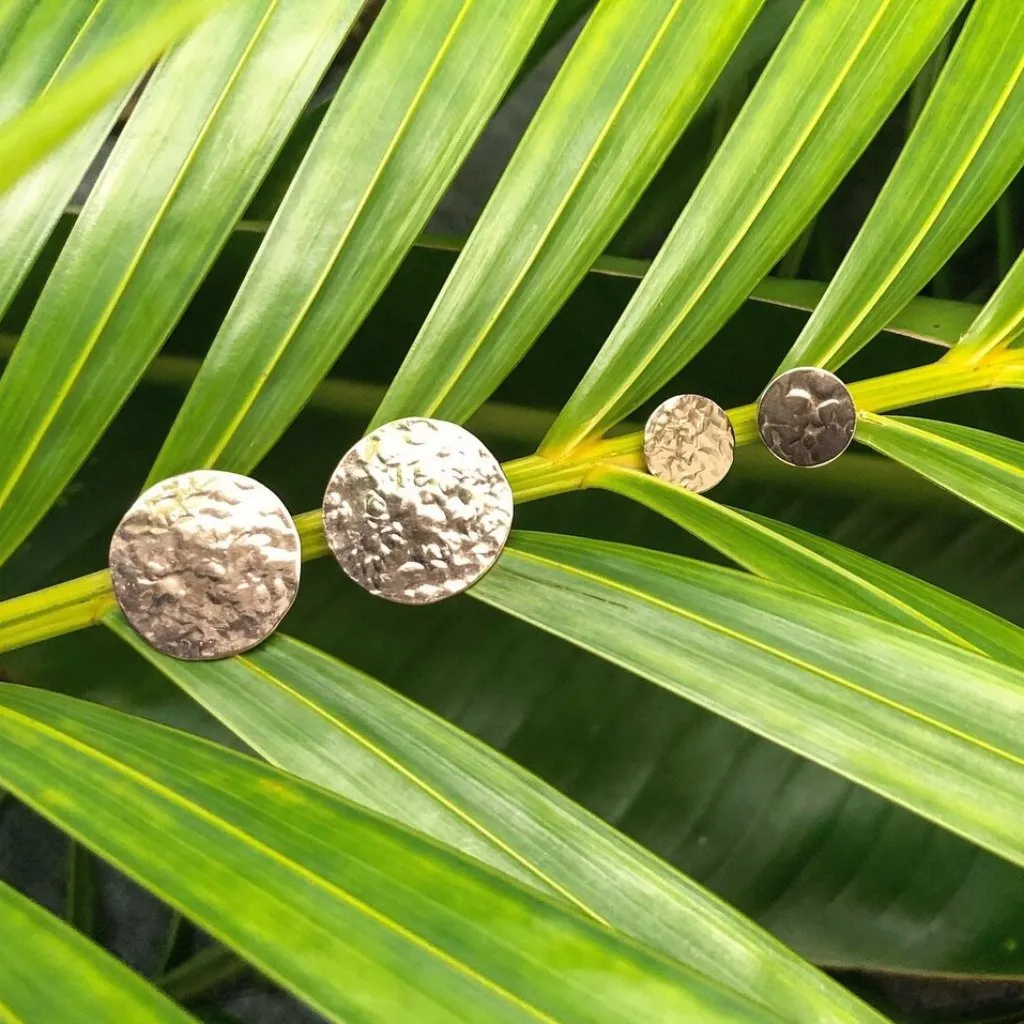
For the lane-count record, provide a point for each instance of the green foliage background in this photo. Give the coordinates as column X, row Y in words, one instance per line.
column 820, row 749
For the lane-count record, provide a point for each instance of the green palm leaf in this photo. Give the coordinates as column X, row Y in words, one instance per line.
column 638, row 72
column 360, row 918
column 78, row 981
column 120, row 285
column 313, row 283
column 979, row 467
column 800, row 560
column 938, row 738
column 1000, row 324
column 332, row 725
column 941, row 187
column 72, row 100
column 833, row 80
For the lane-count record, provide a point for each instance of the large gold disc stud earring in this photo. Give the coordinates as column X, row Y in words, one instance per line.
column 689, row 441
column 806, row 417
column 417, row 511
column 205, row 564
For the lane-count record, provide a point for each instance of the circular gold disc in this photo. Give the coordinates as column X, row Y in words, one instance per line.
column 806, row 417
column 689, row 441
column 205, row 564
column 417, row 511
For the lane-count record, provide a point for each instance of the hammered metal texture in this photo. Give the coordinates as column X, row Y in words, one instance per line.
column 689, row 441
column 417, row 511
column 806, row 417
column 205, row 564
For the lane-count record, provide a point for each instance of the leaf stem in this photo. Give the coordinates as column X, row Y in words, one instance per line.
column 82, row 602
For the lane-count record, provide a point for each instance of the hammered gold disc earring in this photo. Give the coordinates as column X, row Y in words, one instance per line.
column 689, row 441
column 806, row 417
column 205, row 564
column 417, row 511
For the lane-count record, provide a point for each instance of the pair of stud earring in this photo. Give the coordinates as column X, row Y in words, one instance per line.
column 805, row 417
column 206, row 564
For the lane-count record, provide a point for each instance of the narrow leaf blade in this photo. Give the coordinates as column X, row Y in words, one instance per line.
column 837, row 74
column 627, row 90
column 340, row 235
column 942, row 185
column 51, row 973
column 985, row 469
column 798, row 559
column 938, row 737
column 190, row 158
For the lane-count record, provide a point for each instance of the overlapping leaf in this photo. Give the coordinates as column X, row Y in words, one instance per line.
column 415, row 99
column 937, row 734
column 361, row 919
column 944, row 182
column 801, row 560
column 51, row 973
column 1000, row 324
column 41, row 43
column 328, row 723
column 836, row 75
column 632, row 82
column 985, row 469
column 71, row 101
column 166, row 201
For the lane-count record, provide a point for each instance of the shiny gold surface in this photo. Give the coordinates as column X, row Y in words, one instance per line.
column 205, row 564
column 689, row 441
column 806, row 417
column 417, row 511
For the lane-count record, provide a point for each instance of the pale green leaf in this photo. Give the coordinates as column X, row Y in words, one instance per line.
column 332, row 725
column 635, row 77
column 37, row 130
column 380, row 162
column 51, row 974
column 168, row 198
column 926, row 724
column 985, row 469
column 837, row 74
column 965, row 150
column 1000, row 324
column 361, row 919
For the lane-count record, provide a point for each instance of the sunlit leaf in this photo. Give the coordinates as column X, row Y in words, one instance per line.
column 834, row 78
column 361, row 919
column 943, row 184
column 379, row 164
column 332, row 725
column 632, row 82
column 166, row 201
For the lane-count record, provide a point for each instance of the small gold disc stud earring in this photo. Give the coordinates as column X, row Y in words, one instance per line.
column 205, row 564
column 417, row 511
column 689, row 441
column 806, row 417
